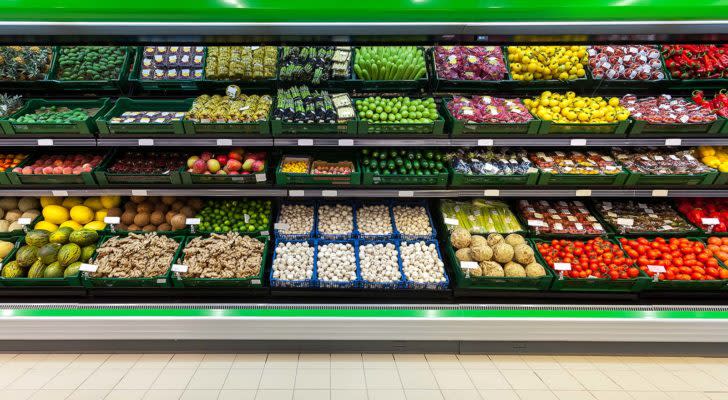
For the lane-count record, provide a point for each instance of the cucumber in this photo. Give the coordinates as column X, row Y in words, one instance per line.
column 358, row 71
column 420, row 73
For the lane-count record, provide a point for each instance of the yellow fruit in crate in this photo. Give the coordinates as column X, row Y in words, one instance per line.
column 93, row 203
column 706, row 151
column 55, row 214
column 95, row 225
column 49, row 200
column 45, row 225
column 72, row 224
column 711, row 161
column 723, row 167
column 69, row 202
column 100, row 215
column 82, row 214
column 110, row 201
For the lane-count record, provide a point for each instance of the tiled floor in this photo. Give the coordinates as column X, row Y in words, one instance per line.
column 356, row 376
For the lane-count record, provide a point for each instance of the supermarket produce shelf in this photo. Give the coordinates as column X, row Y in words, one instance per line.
column 363, row 322
column 22, row 141
column 177, row 141
column 530, row 141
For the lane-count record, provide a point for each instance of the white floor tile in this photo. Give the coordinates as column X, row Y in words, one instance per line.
column 34, row 379
column 26, row 360
column 88, row 395
column 249, row 360
column 687, row 396
column 594, row 379
column 121, row 361
column 649, row 395
column 313, row 378
column 506, row 361
column 47, row 395
column 443, row 361
column 542, row 362
column 282, row 361
column 153, row 361
column 9, row 373
column 387, row 394
column 274, row 395
column 200, row 395
column 575, row 362
column 606, row 363
column 382, row 378
column 69, row 378
column 664, row 380
column 103, row 379
column 5, row 357
column 417, row 378
column 536, row 395
column 488, row 379
column 630, row 380
column 476, row 361
column 452, row 379
column 173, row 379
column 422, row 394
column 314, row 361
column 185, row 361
column 499, row 394
column 411, row 361
column 164, row 394
column 13, row 394
column 138, row 379
column 348, row 378
column 573, row 395
column 125, row 395
column 310, row 394
column 57, row 361
column 278, row 378
column 702, row 381
column 208, row 379
column 348, row 394
column 346, row 361
column 524, row 380
column 237, row 394
column 217, row 361
column 86, row 361
column 243, row 378
column 611, row 395
column 559, row 379
column 378, row 361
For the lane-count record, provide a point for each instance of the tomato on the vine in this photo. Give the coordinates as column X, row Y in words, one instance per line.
column 596, row 258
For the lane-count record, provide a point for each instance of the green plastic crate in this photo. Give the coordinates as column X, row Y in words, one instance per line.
column 126, row 104
column 280, row 128
column 460, row 85
column 460, row 179
column 179, row 281
column 722, row 178
column 552, row 128
column 189, row 178
column 36, row 282
column 106, row 85
column 614, row 229
column 464, row 129
column 633, row 285
column 82, row 179
column 81, row 128
column 231, row 128
column 284, row 179
column 545, row 84
column 158, row 281
column 164, row 84
column 618, row 179
column 369, row 178
column 392, row 85
column 645, row 129
column 106, row 178
column 435, row 129
column 639, row 179
column 44, row 84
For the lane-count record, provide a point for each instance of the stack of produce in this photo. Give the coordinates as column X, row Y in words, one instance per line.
column 719, row 104
column 150, row 214
column 595, row 258
column 696, row 61
column 496, row 256
column 572, row 109
column 225, row 109
column 25, row 63
column 61, row 164
column 244, row 215
column 14, row 208
column 667, row 110
column 490, row 161
column 412, row 221
column 397, row 110
column 421, row 263
column 135, row 256
column 173, row 62
column 561, row 217
column 295, row 219
column 77, row 213
column 719, row 247
column 576, row 163
column 90, row 63
column 55, row 115
column 299, row 105
column 565, row 63
column 335, row 221
column 653, row 161
column 9, row 104
column 147, row 163
column 52, row 255
column 335, row 264
column 684, row 259
column 479, row 216
column 292, row 262
column 8, row 161
column 241, row 62
column 403, row 162
column 632, row 216
column 487, row 109
column 379, row 262
column 626, row 62
column 470, row 63
column 709, row 214
column 228, row 256
column 390, row 63
column 234, row 162
column 304, row 165
column 314, row 64
column 373, row 220
column 147, row 117
column 714, row 157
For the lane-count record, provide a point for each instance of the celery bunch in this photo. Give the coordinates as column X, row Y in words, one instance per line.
column 480, row 216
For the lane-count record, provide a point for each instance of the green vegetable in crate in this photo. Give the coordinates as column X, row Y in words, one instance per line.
column 37, row 237
column 72, row 270
column 49, row 253
column 247, row 216
column 69, row 254
column 84, row 237
column 36, row 270
column 12, row 270
column 397, row 110
column 26, row 256
column 87, row 252
column 61, row 235
column 25, row 63
column 479, row 216
column 390, row 63
column 403, row 162
column 90, row 63
column 53, row 270
column 53, row 115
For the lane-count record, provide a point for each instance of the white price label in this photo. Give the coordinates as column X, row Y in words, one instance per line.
column 406, row 193
column 24, row 221
column 88, row 268
column 659, row 193
column 296, row 193
column 224, row 142
column 625, row 221
column 138, row 192
column 260, row 178
column 673, row 142
column 485, row 142
column 162, row 280
column 112, row 220
column 583, row 193
column 562, row 266
column 45, row 142
column 469, row 265
column 491, row 193
column 255, row 281
column 346, row 142
column 192, row 221
column 59, row 193
column 329, row 193
column 146, row 142
column 280, row 226
column 578, row 142
column 451, row 221
column 536, row 222
column 179, row 268
column 579, row 226
column 710, row 221
column 305, row 142
column 656, row 268
column 246, row 218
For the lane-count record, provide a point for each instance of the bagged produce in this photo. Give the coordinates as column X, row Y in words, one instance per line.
column 490, row 161
column 487, row 109
column 665, row 109
column 241, row 62
column 234, row 107
column 479, row 216
column 314, row 64
column 576, row 163
column 626, row 62
column 299, row 105
column 471, row 63
column 628, row 216
column 663, row 161
column 173, row 62
column 564, row 217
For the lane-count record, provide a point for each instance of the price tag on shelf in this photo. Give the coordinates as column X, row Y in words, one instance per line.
column 255, row 281
column 179, row 268
column 451, row 221
column 161, row 281
column 305, row 142
column 224, row 142
column 59, row 193
column 24, row 221
column 296, row 193
column 491, row 193
column 659, row 193
column 112, row 220
column 625, row 221
column 583, row 193
column 485, row 142
column 710, row 221
column 329, row 193
column 658, row 269
column 45, row 142
column 673, row 142
column 562, row 266
column 469, row 265
column 146, row 142
column 346, row 142
column 138, row 192
column 536, row 222
column 260, row 177
column 280, row 226
column 192, row 221
column 88, row 268
column 578, row 142
column 406, row 193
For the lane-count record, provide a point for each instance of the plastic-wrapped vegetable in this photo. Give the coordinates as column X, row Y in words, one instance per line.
column 472, row 63
column 490, row 161
column 568, row 217
column 665, row 109
column 653, row 161
column 314, row 64
column 576, row 163
column 642, row 216
column 241, row 62
column 631, row 62
column 298, row 104
column 479, row 216
column 487, row 109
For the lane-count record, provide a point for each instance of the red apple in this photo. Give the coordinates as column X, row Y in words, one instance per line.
column 86, row 167
column 57, row 170
column 38, row 171
column 200, row 166
column 235, row 156
column 233, row 173
column 258, row 166
column 47, row 170
column 248, row 164
column 18, row 170
column 77, row 170
column 237, row 150
column 222, row 159
column 233, row 165
column 191, row 161
column 27, row 171
column 67, row 170
column 206, row 155
column 213, row 165
column 221, row 172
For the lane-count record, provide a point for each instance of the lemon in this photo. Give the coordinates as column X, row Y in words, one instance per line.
column 72, row 224
column 613, row 101
column 45, row 225
column 55, row 214
column 95, row 225
column 48, row 200
column 723, row 167
column 82, row 214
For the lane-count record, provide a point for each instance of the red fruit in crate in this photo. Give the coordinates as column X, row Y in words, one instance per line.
column 67, row 170
column 258, row 166
column 233, row 173
column 221, row 172
column 191, row 161
column 55, row 163
column 213, row 165
column 58, row 170
column 47, row 170
column 206, row 155
column 222, row 159
column 200, row 166
column 235, row 156
column 245, row 173
column 248, row 164
column 18, row 170
column 238, row 150
column 38, row 170
column 233, row 165
column 77, row 170
column 27, row 170
column 86, row 168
